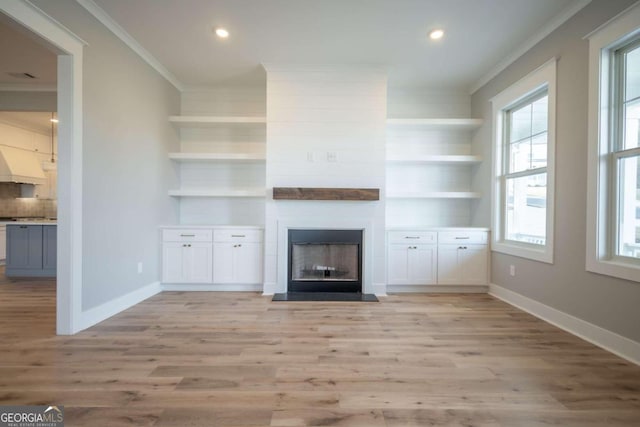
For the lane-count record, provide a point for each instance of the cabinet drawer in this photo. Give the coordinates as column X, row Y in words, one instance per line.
column 237, row 235
column 186, row 235
column 412, row 237
column 477, row 237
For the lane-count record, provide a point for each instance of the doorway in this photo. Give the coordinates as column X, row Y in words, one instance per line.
column 68, row 48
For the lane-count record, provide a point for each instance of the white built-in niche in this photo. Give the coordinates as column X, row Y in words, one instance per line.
column 221, row 162
column 431, row 160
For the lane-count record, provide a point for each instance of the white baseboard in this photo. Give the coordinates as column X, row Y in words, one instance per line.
column 380, row 289
column 104, row 311
column 269, row 288
column 603, row 338
column 440, row 289
column 197, row 287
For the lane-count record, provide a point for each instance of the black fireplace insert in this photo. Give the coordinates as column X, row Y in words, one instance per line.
column 324, row 261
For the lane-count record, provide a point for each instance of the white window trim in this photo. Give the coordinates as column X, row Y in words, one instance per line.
column 545, row 76
column 614, row 33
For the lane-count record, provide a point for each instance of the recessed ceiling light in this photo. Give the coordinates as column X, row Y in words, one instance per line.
column 222, row 33
column 436, row 34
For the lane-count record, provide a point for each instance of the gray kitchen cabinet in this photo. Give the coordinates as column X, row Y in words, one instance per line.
column 49, row 248
column 26, row 247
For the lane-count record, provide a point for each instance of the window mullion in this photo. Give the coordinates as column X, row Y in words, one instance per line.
column 528, row 172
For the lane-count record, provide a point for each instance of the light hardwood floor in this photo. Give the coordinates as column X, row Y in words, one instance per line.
column 237, row 359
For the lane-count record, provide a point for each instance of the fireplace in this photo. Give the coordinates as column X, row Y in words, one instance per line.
column 324, row 261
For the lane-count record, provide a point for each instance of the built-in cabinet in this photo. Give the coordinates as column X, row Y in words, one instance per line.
column 444, row 257
column 31, row 250
column 237, row 256
column 412, row 258
column 219, row 256
column 187, row 256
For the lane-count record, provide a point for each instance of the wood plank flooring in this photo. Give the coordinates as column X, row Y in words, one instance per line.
column 237, row 359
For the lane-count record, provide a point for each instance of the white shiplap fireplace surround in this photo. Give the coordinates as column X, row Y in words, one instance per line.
column 325, row 128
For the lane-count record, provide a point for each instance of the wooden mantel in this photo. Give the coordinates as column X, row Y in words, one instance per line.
column 299, row 193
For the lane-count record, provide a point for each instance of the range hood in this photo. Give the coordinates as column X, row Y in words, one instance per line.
column 20, row 166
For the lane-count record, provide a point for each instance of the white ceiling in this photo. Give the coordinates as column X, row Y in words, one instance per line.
column 388, row 33
column 22, row 52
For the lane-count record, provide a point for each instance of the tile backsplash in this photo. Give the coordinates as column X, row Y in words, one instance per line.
column 11, row 205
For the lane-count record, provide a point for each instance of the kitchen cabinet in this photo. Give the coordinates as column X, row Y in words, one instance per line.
column 237, row 256
column 3, row 243
column 412, row 258
column 187, row 256
column 31, row 250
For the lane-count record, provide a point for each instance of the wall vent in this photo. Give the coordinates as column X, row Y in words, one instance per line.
column 22, row 75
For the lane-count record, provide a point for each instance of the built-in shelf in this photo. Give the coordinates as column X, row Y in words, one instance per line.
column 436, row 159
column 217, row 157
column 437, row 195
column 451, row 124
column 210, row 192
column 207, row 121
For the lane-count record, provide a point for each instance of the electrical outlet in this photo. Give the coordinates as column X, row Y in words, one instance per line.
column 332, row 156
column 309, row 156
column 512, row 270
column 139, row 267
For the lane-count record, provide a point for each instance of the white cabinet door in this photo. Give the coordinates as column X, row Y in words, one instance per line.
column 462, row 265
column 173, row 262
column 412, row 264
column 473, row 260
column 398, row 265
column 448, row 266
column 247, row 263
column 422, row 264
column 198, row 262
column 186, row 262
column 237, row 263
column 223, row 262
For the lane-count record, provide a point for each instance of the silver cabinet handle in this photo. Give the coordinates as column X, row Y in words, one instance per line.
column 463, row 238
column 411, row 237
column 187, row 235
column 238, row 235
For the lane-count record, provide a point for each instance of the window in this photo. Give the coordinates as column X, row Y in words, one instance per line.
column 625, row 150
column 524, row 125
column 613, row 215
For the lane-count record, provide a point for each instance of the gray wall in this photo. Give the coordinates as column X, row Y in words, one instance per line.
column 126, row 172
column 605, row 301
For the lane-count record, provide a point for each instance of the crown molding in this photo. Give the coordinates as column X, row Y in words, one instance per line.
column 551, row 26
column 123, row 35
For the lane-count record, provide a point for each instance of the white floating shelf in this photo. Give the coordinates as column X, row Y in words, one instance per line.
column 207, row 121
column 217, row 157
column 437, row 195
column 254, row 192
column 451, row 124
column 438, row 159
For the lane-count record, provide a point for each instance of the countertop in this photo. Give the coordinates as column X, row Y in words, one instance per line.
column 30, row 222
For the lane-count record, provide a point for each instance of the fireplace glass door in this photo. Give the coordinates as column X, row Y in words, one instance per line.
column 325, row 262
